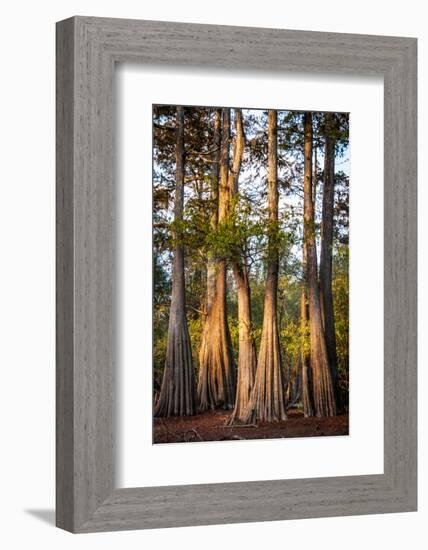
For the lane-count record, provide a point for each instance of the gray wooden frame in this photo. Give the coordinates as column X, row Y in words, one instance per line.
column 87, row 50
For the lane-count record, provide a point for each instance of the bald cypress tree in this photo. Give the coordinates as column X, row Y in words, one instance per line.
column 323, row 391
column 178, row 396
column 267, row 400
column 247, row 358
column 217, row 376
column 326, row 259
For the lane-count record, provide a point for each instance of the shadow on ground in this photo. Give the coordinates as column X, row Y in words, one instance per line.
column 43, row 514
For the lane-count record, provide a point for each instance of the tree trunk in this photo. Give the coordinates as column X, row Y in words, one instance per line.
column 217, row 377
column 178, row 396
column 296, row 386
column 211, row 267
column 326, row 260
column 267, row 400
column 315, row 180
column 247, row 358
column 306, row 374
column 324, row 398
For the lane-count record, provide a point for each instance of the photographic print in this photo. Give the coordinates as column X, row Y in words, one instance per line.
column 250, row 273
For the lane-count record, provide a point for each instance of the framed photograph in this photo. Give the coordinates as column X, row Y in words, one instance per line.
column 236, row 274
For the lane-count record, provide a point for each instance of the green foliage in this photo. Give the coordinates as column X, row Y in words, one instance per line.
column 292, row 337
column 234, row 335
column 196, row 326
column 236, row 232
column 291, row 342
column 341, row 312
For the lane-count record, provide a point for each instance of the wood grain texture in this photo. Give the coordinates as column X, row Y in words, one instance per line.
column 64, row 276
column 87, row 49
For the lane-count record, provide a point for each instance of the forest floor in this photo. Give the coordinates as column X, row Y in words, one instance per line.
column 210, row 426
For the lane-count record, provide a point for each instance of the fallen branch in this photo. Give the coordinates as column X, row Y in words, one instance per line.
column 190, row 431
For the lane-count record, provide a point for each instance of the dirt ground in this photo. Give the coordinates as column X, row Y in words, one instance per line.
column 210, row 426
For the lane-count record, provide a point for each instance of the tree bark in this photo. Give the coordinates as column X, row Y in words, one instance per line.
column 217, row 376
column 315, row 179
column 267, row 400
column 211, row 267
column 246, row 346
column 324, row 398
column 178, row 396
column 307, row 406
column 326, row 260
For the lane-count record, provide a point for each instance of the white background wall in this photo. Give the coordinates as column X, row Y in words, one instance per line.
column 27, row 272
